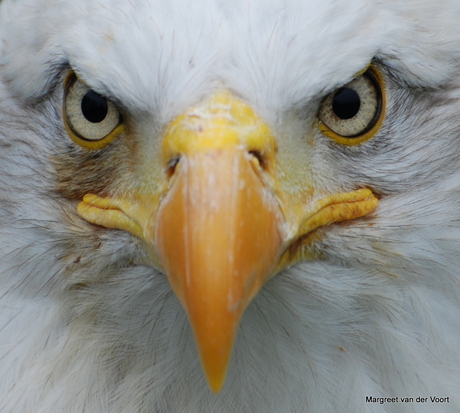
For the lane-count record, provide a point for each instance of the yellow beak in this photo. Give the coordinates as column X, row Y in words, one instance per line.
column 220, row 228
column 218, row 231
column 218, row 239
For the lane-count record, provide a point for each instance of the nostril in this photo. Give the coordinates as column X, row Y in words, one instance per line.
column 172, row 164
column 259, row 157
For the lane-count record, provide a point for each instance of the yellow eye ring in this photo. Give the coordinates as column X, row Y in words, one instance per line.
column 91, row 120
column 362, row 111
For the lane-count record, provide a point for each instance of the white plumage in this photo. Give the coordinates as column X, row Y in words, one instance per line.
column 87, row 324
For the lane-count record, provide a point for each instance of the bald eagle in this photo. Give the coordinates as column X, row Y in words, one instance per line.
column 229, row 206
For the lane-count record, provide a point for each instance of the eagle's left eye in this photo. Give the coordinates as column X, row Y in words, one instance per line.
column 353, row 113
column 90, row 118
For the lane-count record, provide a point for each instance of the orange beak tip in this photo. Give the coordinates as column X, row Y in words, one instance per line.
column 215, row 362
column 214, row 337
column 216, row 379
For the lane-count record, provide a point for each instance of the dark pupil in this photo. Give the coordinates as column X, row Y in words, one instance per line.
column 94, row 107
column 346, row 103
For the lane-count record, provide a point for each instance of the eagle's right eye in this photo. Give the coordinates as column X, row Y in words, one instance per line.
column 91, row 119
